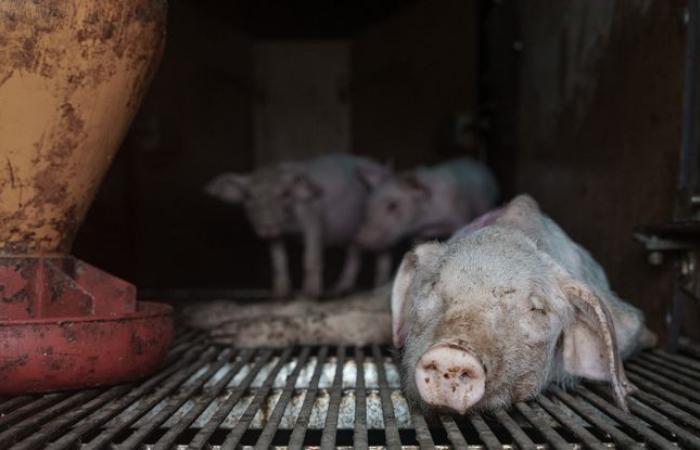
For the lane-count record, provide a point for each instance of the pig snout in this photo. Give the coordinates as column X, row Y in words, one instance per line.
column 266, row 229
column 449, row 376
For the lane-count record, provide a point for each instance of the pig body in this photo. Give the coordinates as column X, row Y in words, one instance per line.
column 427, row 202
column 504, row 308
column 322, row 199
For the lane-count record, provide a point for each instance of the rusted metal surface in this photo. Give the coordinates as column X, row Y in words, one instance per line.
column 72, row 74
column 209, row 396
column 65, row 324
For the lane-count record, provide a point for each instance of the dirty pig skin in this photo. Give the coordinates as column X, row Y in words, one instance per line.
column 505, row 307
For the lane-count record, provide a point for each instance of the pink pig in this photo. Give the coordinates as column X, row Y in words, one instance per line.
column 322, row 199
column 503, row 309
column 426, row 202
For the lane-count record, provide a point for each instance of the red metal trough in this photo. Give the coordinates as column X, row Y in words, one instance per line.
column 65, row 324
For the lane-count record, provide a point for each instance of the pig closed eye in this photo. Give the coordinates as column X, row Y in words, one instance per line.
column 537, row 305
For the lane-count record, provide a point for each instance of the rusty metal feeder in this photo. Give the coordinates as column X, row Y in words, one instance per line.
column 72, row 75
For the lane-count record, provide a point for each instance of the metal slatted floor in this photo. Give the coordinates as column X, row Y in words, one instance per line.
column 211, row 397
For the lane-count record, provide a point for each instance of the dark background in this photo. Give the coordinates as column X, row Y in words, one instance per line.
column 582, row 101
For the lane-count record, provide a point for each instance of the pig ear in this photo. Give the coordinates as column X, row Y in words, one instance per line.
column 523, row 212
column 590, row 344
column 372, row 174
column 229, row 187
column 303, row 188
column 399, row 296
column 402, row 284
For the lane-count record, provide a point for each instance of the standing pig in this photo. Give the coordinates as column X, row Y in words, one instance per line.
column 323, row 199
column 504, row 308
column 428, row 202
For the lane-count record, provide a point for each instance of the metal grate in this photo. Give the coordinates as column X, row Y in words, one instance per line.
column 210, row 397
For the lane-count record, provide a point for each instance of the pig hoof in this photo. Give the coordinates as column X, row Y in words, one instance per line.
column 312, row 292
column 281, row 294
column 630, row 388
column 451, row 377
column 339, row 291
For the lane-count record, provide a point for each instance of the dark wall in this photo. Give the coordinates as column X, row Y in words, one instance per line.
column 584, row 101
column 411, row 76
column 150, row 222
column 599, row 111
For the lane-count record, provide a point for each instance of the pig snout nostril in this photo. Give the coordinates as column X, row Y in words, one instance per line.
column 450, row 377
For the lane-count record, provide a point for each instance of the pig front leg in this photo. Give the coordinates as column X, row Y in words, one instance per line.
column 281, row 283
column 382, row 269
column 313, row 252
column 350, row 270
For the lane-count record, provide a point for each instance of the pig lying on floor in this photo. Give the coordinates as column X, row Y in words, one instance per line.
column 505, row 307
column 360, row 319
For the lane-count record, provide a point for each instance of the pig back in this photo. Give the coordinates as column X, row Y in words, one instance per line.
column 477, row 184
column 461, row 190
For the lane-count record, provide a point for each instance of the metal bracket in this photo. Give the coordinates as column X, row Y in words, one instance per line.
column 685, row 252
column 653, row 243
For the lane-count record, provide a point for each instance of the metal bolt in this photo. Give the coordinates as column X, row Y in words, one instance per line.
column 655, row 258
column 518, row 46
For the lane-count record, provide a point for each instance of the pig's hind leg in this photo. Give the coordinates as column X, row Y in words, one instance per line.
column 348, row 276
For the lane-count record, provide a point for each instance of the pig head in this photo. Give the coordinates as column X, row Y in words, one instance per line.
column 269, row 196
column 279, row 200
column 427, row 202
column 498, row 312
column 393, row 209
